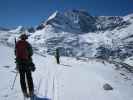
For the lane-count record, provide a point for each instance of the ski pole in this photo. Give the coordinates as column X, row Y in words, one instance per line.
column 17, row 72
column 14, row 81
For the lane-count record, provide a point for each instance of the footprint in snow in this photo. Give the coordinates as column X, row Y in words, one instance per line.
column 6, row 66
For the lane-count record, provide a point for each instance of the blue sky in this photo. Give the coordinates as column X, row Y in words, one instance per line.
column 32, row 12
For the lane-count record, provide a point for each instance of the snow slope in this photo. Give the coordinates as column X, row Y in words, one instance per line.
column 71, row 80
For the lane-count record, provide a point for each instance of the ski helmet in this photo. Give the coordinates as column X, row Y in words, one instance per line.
column 24, row 37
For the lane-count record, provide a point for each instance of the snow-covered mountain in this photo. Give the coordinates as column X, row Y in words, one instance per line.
column 79, row 34
column 81, row 21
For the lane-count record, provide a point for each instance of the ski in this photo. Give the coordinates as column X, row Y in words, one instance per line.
column 29, row 98
column 24, row 98
column 32, row 97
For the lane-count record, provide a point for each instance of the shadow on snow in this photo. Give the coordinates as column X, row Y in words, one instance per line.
column 40, row 98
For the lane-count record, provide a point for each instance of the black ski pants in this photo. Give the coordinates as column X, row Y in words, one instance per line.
column 26, row 80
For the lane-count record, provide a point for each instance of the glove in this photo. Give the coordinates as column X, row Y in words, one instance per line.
column 32, row 67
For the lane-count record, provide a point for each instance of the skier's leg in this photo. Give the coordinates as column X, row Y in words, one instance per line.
column 22, row 81
column 30, row 82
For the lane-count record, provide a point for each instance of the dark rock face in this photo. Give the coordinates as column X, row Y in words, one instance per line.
column 110, row 22
column 103, row 52
column 31, row 30
column 107, row 87
column 82, row 18
column 40, row 27
column 121, row 52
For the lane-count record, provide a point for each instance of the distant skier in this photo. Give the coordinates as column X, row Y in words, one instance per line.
column 57, row 56
column 24, row 52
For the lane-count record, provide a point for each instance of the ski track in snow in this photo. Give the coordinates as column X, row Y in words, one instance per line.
column 71, row 80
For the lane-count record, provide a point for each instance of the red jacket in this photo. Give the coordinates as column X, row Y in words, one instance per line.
column 22, row 50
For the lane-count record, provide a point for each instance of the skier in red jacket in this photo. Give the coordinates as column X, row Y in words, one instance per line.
column 24, row 52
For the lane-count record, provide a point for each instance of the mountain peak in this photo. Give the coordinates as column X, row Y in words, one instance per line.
column 71, row 21
column 56, row 13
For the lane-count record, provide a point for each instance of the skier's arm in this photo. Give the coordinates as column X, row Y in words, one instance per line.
column 15, row 50
column 30, row 49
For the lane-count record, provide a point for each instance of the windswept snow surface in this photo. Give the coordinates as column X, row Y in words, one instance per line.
column 71, row 80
